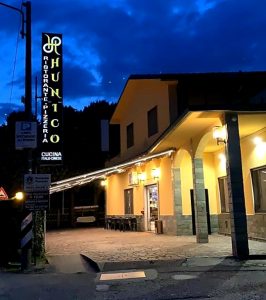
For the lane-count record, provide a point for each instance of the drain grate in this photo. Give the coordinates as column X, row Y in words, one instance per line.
column 122, row 275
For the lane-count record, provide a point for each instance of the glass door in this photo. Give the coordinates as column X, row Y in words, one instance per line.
column 152, row 206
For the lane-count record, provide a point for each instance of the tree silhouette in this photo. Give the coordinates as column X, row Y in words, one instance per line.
column 81, row 146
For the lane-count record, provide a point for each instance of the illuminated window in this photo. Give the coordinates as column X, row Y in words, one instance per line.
column 259, row 188
column 224, row 197
column 128, row 198
column 130, row 135
column 152, row 121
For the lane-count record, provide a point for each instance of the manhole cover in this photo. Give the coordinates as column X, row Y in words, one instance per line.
column 122, row 275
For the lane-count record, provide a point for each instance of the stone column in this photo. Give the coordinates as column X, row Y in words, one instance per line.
column 199, row 201
column 183, row 223
column 177, row 200
column 237, row 207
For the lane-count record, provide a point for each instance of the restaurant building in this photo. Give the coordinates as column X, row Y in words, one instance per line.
column 193, row 155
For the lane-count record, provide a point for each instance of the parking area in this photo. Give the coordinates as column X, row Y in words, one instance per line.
column 103, row 245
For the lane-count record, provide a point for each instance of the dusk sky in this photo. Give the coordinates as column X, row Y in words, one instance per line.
column 105, row 41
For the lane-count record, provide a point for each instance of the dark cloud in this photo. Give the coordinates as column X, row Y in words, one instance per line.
column 105, row 41
column 6, row 109
column 78, row 82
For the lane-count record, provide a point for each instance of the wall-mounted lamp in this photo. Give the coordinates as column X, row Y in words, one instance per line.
column 103, row 182
column 155, row 173
column 142, row 177
column 219, row 133
column 133, row 178
column 260, row 147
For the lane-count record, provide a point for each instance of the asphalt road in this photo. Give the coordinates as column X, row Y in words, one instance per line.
column 195, row 278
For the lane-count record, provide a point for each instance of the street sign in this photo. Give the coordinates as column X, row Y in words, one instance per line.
column 3, row 194
column 37, row 201
column 26, row 135
column 37, row 182
column 37, row 187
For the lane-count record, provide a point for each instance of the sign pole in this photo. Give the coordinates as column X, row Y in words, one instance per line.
column 26, row 241
column 26, row 249
column 37, row 187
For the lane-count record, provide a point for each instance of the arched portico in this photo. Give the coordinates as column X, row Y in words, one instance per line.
column 182, row 183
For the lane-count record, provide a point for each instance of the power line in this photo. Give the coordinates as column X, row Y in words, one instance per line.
column 15, row 60
column 14, row 68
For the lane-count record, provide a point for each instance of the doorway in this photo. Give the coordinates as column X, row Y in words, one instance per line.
column 152, row 207
column 128, row 201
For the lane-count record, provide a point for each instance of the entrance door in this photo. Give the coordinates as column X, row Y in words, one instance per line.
column 193, row 212
column 128, row 198
column 152, row 206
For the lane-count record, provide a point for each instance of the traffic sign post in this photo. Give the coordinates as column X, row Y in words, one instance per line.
column 26, row 135
column 37, row 187
column 37, row 182
column 37, row 201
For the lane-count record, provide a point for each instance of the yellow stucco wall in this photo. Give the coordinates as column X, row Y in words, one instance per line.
column 214, row 166
column 115, row 194
column 253, row 156
column 116, row 184
column 146, row 95
column 166, row 188
column 186, row 182
column 220, row 171
column 210, row 181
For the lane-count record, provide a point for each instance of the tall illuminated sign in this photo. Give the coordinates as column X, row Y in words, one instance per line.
column 52, row 100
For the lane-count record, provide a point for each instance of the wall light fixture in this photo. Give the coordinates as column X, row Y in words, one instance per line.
column 142, row 177
column 219, row 133
column 155, row 173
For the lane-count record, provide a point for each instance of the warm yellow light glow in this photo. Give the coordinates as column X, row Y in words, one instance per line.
column 219, row 133
column 222, row 156
column 257, row 140
column 133, row 178
column 103, row 182
column 19, row 196
column 222, row 159
column 155, row 173
column 65, row 184
column 260, row 147
column 260, row 150
column 142, row 176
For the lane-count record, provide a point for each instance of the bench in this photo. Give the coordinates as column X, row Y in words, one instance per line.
column 87, row 219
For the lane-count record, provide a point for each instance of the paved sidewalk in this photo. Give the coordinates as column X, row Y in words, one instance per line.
column 102, row 245
column 168, row 267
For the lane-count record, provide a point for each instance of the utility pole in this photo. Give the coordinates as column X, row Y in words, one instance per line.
column 27, row 239
column 28, row 69
column 26, row 252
